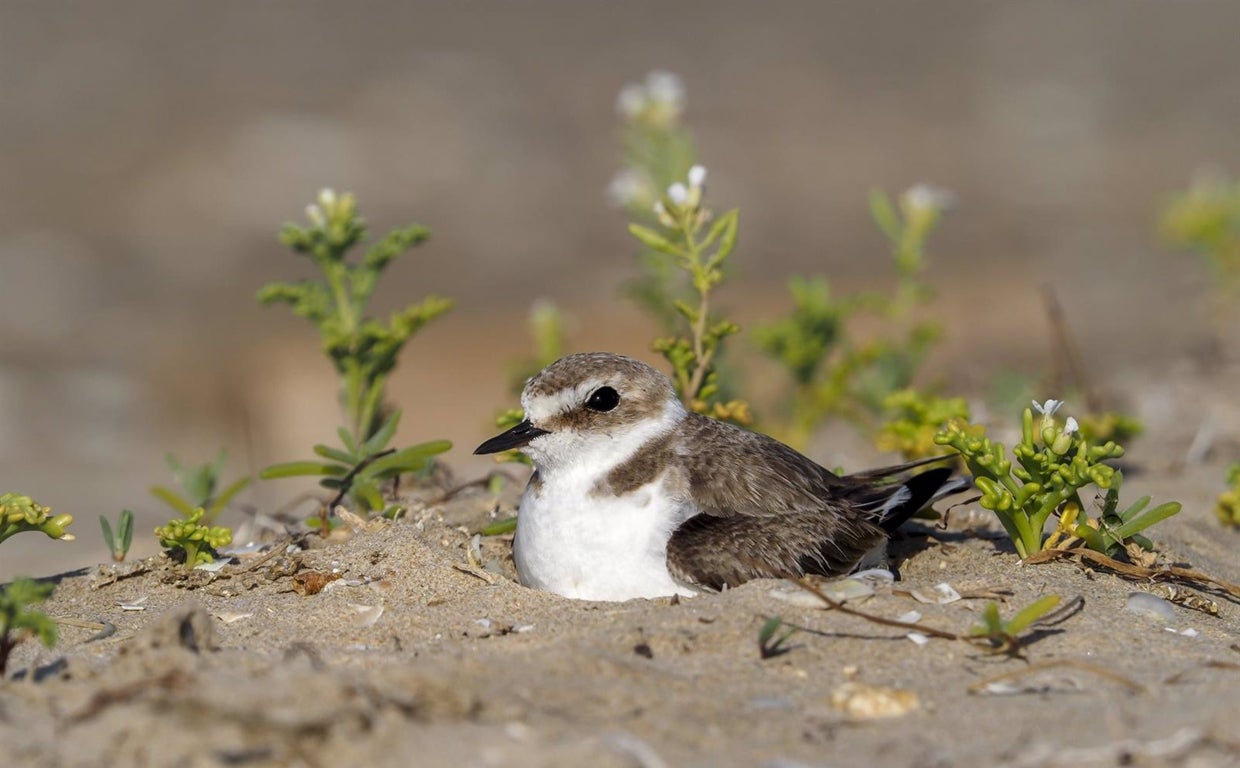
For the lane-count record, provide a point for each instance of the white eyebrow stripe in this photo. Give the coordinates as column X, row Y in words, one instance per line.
column 544, row 407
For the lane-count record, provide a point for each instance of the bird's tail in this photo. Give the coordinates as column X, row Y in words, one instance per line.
column 892, row 495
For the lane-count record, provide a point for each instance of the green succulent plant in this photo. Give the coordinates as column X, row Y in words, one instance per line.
column 17, row 620
column 199, row 488
column 191, row 536
column 1053, row 464
column 1227, row 507
column 21, row 514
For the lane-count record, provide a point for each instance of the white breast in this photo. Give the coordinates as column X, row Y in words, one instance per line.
column 583, row 545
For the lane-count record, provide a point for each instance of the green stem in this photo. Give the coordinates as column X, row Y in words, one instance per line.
column 701, row 356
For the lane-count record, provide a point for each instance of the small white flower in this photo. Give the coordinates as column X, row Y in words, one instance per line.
column 628, row 187
column 665, row 218
column 327, row 198
column 697, row 176
column 631, row 101
column 1048, row 409
column 927, row 197
column 1070, row 427
column 678, row 193
column 665, row 87
column 315, row 215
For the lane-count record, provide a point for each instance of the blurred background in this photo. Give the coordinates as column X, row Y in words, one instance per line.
column 149, row 152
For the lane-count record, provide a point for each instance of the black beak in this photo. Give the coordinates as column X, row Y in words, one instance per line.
column 513, row 438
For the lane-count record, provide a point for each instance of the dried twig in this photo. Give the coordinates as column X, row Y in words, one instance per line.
column 1171, row 572
column 981, row 685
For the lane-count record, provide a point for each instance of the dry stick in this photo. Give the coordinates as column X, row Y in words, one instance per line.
column 1136, row 571
column 1069, row 608
column 1066, row 357
column 839, row 606
column 981, row 685
column 345, row 482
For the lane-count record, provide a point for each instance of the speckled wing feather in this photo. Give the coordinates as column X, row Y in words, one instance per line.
column 780, row 514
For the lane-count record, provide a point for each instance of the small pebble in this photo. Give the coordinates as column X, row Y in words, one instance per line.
column 868, row 702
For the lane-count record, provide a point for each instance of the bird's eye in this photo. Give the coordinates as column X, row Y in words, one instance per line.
column 603, row 399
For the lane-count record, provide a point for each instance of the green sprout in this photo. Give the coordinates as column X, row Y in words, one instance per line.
column 1005, row 635
column 361, row 467
column 683, row 251
column 194, row 538
column 1206, row 219
column 911, row 419
column 1111, row 530
column 699, row 245
column 199, row 486
column 363, row 350
column 19, row 514
column 658, row 152
column 1227, row 507
column 1053, row 463
column 17, row 621
column 1101, row 426
column 770, row 642
column 118, row 545
column 546, row 328
column 831, row 371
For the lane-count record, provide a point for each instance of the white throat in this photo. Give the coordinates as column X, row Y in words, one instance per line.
column 576, row 538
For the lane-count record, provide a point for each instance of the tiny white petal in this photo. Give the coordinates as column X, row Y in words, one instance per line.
column 659, row 209
column 927, row 196
column 631, row 100
column 665, row 87
column 697, row 176
column 626, row 187
column 327, row 197
column 1070, row 427
column 678, row 193
column 1048, row 408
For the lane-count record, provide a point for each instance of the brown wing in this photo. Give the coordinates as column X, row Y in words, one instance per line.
column 717, row 551
column 775, row 513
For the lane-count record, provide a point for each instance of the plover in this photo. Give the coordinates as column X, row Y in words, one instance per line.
column 634, row 496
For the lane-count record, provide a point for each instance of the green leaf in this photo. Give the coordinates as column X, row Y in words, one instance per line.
column 1092, row 538
column 346, row 439
column 1148, row 518
column 1031, row 613
column 500, row 527
column 172, row 499
column 654, row 240
column 409, row 459
column 369, row 493
column 382, row 436
column 226, row 496
column 885, row 215
column 335, row 454
column 302, row 468
column 727, row 242
column 769, row 629
column 992, row 625
column 125, row 531
column 107, row 533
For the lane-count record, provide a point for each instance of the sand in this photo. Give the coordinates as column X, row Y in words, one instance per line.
column 424, row 653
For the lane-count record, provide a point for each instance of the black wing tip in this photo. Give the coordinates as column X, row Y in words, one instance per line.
column 923, row 488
